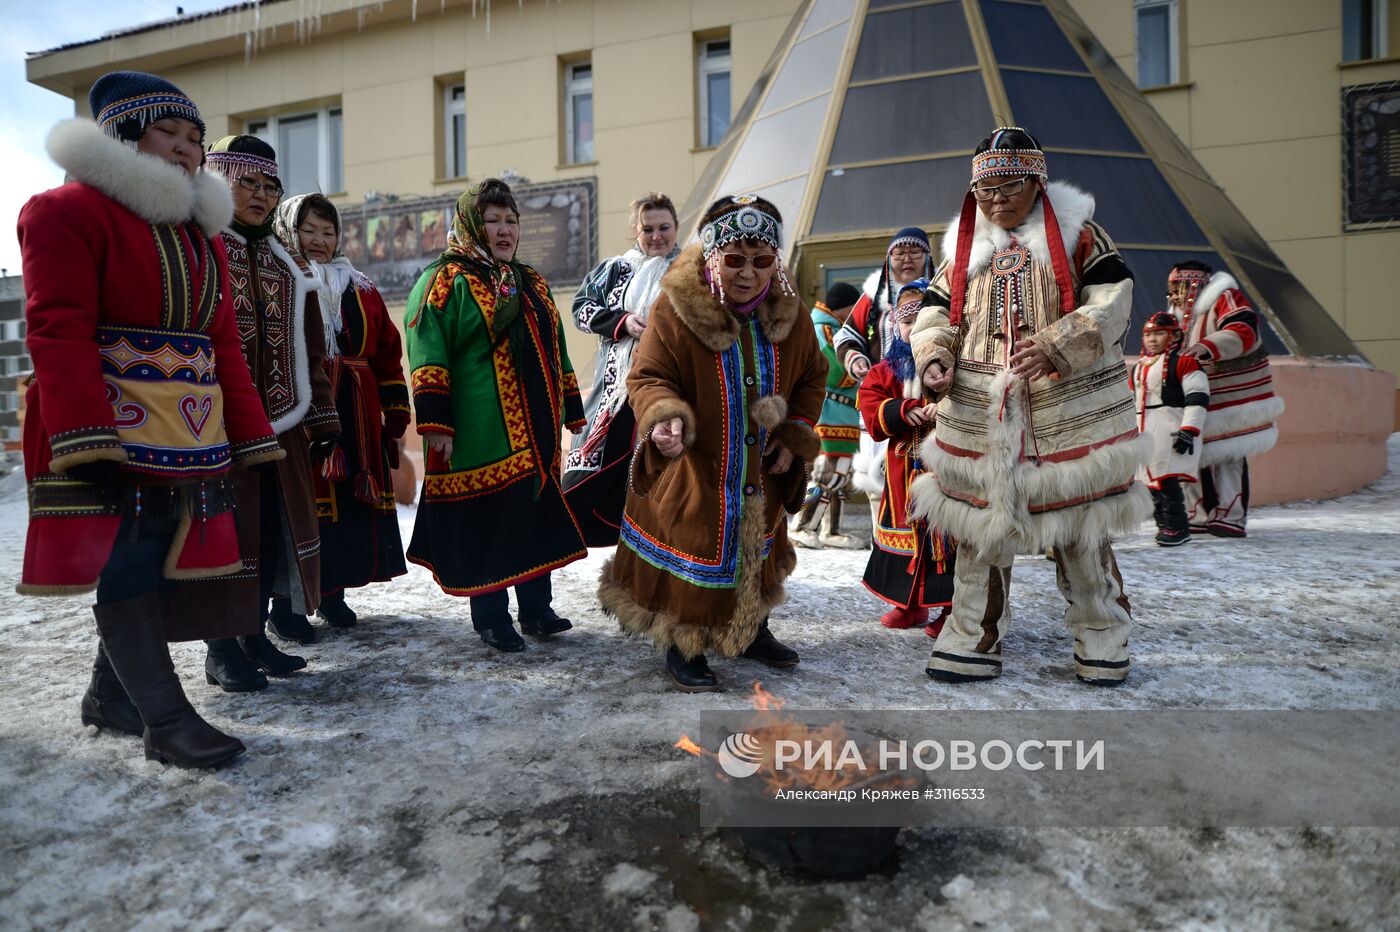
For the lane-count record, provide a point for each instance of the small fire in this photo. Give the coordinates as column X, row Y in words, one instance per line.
column 764, row 701
column 772, row 728
column 690, row 747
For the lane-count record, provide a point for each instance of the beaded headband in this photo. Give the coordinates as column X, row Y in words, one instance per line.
column 908, row 241
column 1187, row 275
column 745, row 221
column 997, row 162
column 149, row 108
column 1162, row 321
column 235, row 164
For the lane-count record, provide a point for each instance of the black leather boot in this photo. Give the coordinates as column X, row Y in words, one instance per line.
column 767, row 649
column 334, row 612
column 693, row 675
column 289, row 626
column 543, row 627
column 267, row 658
column 503, row 638
column 134, row 636
column 106, row 704
column 227, row 667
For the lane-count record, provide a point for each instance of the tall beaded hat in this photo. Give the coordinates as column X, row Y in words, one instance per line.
column 236, row 156
column 1008, row 152
column 124, row 103
column 735, row 218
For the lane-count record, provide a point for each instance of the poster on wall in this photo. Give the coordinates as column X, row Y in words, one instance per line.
column 1371, row 119
column 392, row 239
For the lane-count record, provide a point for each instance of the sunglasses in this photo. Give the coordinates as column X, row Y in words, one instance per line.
column 1009, row 189
column 736, row 261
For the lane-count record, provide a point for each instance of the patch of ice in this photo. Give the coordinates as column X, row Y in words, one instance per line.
column 628, row 880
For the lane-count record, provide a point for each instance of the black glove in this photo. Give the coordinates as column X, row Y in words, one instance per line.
column 322, row 448
column 98, row 472
column 1184, row 442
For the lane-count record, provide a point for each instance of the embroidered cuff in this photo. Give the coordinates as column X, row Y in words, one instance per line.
column 432, row 400
column 85, row 445
column 254, row 452
column 321, row 422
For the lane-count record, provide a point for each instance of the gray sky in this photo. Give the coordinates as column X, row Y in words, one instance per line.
column 27, row 112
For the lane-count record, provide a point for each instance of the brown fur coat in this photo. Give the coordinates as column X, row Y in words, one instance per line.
column 704, row 549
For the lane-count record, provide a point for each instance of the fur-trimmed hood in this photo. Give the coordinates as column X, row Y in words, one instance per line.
column 1217, row 285
column 1073, row 209
column 711, row 323
column 155, row 191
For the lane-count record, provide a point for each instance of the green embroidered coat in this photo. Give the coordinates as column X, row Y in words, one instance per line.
column 493, row 515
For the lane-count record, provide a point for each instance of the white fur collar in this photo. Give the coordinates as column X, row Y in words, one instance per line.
column 1218, row 284
column 155, row 191
column 872, row 283
column 1073, row 208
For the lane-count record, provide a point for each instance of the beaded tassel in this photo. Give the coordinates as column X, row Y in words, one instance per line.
column 713, row 265
column 783, row 279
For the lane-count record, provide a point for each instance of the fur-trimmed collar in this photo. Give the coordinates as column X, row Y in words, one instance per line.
column 711, row 323
column 1216, row 286
column 153, row 190
column 1073, row 208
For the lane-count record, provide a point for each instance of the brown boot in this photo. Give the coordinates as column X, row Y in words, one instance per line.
column 134, row 636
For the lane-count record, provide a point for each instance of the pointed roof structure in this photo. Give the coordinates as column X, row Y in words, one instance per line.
column 866, row 116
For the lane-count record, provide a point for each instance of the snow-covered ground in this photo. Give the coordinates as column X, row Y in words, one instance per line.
column 412, row 778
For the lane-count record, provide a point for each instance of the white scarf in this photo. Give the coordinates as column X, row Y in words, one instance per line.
column 334, row 278
column 642, row 290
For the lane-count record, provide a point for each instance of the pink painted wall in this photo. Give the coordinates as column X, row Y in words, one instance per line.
column 1332, row 437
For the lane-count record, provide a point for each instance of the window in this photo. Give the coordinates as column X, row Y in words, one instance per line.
column 12, row 330
column 714, row 91
column 1371, row 153
column 1156, row 42
column 309, row 149
column 578, row 112
column 454, row 123
column 1365, row 24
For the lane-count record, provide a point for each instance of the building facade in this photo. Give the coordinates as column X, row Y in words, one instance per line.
column 399, row 99
column 1259, row 93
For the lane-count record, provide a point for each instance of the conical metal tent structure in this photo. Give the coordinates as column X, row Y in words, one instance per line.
column 866, row 116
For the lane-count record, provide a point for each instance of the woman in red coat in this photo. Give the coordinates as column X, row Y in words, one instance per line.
column 359, row 521
column 141, row 404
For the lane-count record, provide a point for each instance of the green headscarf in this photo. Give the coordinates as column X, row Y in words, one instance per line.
column 468, row 247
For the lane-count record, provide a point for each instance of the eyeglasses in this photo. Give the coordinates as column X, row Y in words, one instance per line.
column 911, row 252
column 737, row 261
column 1008, row 189
column 272, row 188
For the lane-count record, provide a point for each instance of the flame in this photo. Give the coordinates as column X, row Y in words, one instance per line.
column 773, row 728
column 690, row 747
column 764, row 701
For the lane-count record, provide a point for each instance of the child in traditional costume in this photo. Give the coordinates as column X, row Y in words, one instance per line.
column 819, row 522
column 1172, row 393
column 911, row 562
